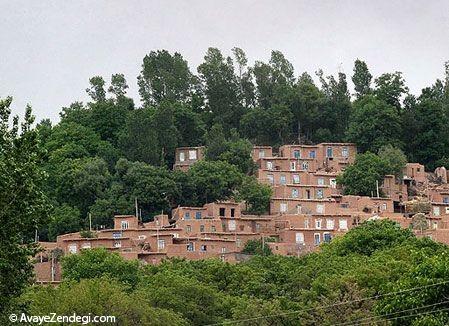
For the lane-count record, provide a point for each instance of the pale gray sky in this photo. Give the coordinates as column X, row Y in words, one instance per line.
column 49, row 49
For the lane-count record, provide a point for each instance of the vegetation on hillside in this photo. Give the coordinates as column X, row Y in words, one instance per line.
column 375, row 272
column 104, row 154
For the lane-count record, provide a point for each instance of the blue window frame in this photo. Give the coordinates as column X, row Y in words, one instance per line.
column 198, row 215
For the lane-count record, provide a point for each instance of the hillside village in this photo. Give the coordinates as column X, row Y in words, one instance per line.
column 307, row 208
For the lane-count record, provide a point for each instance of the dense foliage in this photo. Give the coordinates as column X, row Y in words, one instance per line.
column 375, row 272
column 104, row 154
column 23, row 205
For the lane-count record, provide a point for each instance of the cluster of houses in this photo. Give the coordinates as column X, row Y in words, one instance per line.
column 307, row 208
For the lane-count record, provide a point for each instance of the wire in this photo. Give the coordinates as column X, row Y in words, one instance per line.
column 414, row 315
column 356, row 322
column 328, row 306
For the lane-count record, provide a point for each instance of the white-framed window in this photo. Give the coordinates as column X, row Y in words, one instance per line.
column 261, row 153
column 298, row 209
column 188, row 228
column 86, row 245
column 192, row 155
column 295, row 193
column 320, row 208
column 142, row 237
column 161, row 244
column 327, row 237
column 343, row 224
column 182, row 156
column 231, row 225
column 283, row 207
column 316, row 239
column 345, row 152
column 296, row 178
column 238, row 242
column 202, row 228
column 270, row 179
column 299, row 237
column 73, row 248
column 293, row 166
column 333, row 183
column 319, row 193
column 329, row 152
column 320, row 181
column 306, row 223
column 282, row 179
column 435, row 225
column 383, row 207
column 305, row 165
column 117, row 244
column 223, row 250
column 312, row 154
column 190, row 246
column 436, row 210
column 447, row 210
column 203, row 248
column 330, row 224
column 270, row 165
column 124, row 225
column 317, row 224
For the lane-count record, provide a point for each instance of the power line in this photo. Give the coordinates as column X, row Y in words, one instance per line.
column 330, row 306
column 414, row 315
column 357, row 321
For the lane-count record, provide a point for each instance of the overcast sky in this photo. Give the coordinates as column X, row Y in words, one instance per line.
column 49, row 49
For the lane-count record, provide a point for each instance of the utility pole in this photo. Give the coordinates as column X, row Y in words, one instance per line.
column 377, row 188
column 137, row 207
column 90, row 222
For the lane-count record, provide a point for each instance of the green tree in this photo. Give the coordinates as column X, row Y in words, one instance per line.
column 360, row 178
column 361, row 79
column 306, row 105
column 100, row 297
column 370, row 237
column 222, row 90
column 270, row 126
column 23, row 205
column 214, row 180
column 138, row 140
column 256, row 247
column 373, row 124
column 274, row 80
column 257, row 196
column 164, row 77
column 99, row 262
column 395, row 159
column 390, row 88
column 96, row 90
column 64, row 219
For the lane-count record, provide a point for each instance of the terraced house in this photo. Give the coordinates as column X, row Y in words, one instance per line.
column 307, row 208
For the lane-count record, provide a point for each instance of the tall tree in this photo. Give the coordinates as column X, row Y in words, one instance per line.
column 23, row 205
column 274, row 80
column 361, row 78
column 222, row 89
column 164, row 77
column 307, row 105
column 390, row 88
column 96, row 90
column 336, row 111
column 374, row 123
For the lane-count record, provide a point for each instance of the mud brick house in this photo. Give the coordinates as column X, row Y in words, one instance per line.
column 186, row 156
column 307, row 209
